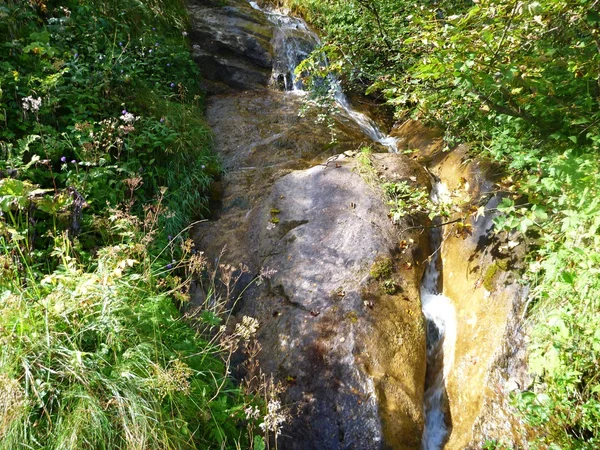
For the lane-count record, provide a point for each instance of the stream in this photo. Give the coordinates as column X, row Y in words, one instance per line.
column 441, row 335
column 293, row 41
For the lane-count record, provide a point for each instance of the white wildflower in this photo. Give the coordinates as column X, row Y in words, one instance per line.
column 252, row 412
column 247, row 328
column 127, row 117
column 266, row 273
column 274, row 418
column 33, row 104
column 535, row 267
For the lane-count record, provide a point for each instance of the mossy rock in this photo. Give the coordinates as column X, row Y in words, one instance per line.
column 381, row 268
column 493, row 273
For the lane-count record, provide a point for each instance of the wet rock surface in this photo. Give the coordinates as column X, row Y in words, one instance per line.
column 353, row 348
column 231, row 43
column 479, row 278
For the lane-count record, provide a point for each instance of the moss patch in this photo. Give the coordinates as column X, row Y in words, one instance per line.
column 493, row 272
column 381, row 268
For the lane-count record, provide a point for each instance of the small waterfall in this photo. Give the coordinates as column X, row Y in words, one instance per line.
column 293, row 42
column 441, row 337
column 366, row 124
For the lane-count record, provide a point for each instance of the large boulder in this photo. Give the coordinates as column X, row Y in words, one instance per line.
column 341, row 322
column 231, row 43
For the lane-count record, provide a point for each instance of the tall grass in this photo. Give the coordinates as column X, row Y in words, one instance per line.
column 114, row 157
column 103, row 359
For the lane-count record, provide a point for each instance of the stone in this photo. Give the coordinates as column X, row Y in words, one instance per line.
column 489, row 344
column 354, row 349
column 231, row 43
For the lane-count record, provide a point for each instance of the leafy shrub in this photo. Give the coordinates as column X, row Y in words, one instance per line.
column 519, row 82
column 118, row 98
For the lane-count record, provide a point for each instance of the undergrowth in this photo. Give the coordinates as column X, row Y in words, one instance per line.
column 105, row 160
column 519, row 82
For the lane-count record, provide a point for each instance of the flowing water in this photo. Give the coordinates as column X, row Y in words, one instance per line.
column 441, row 336
column 293, row 41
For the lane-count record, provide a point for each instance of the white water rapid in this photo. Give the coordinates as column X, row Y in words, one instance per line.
column 293, row 42
column 441, row 337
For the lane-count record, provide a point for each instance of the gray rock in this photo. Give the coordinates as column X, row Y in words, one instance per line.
column 353, row 351
column 231, row 43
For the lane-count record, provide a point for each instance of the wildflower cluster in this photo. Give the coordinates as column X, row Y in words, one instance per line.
column 127, row 117
column 247, row 328
column 31, row 104
column 274, row 419
column 175, row 378
column 243, row 332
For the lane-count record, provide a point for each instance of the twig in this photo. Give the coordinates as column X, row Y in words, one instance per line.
column 421, row 227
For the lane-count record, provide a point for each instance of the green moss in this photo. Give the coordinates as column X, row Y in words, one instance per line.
column 389, row 287
column 352, row 316
column 364, row 166
column 382, row 268
column 493, row 272
column 274, row 220
column 275, row 211
column 503, row 264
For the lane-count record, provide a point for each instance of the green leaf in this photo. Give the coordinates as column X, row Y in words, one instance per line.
column 568, row 277
column 525, row 223
column 593, row 16
column 259, row 443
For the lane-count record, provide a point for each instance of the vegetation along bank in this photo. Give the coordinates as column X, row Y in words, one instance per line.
column 104, row 159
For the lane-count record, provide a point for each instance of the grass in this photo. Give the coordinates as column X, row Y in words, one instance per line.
column 109, row 160
column 103, row 359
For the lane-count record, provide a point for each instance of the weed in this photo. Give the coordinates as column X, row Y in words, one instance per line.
column 390, row 287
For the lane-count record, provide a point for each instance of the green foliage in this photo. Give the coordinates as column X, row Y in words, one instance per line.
column 406, row 200
column 365, row 167
column 519, row 82
column 389, row 287
column 103, row 359
column 382, row 268
column 115, row 95
column 103, row 152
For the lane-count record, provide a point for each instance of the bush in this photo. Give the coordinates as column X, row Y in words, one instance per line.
column 91, row 97
column 104, row 155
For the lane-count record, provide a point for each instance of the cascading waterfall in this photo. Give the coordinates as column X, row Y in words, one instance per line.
column 293, row 42
column 441, row 337
column 366, row 124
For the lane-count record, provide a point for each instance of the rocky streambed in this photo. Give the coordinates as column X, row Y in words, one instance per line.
column 341, row 314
